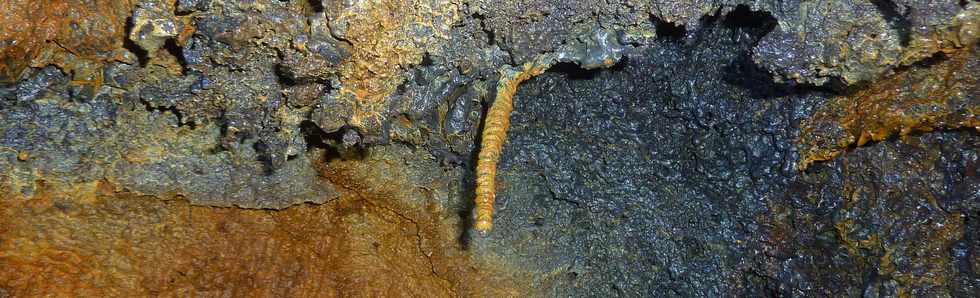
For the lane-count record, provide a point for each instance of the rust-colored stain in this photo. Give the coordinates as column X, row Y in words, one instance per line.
column 60, row 32
column 918, row 99
column 387, row 36
column 371, row 242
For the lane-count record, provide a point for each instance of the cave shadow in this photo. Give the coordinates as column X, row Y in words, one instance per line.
column 467, row 188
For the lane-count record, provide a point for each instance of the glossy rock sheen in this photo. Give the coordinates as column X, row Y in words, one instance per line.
column 328, row 148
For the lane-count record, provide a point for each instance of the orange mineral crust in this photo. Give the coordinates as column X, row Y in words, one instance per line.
column 59, row 32
column 940, row 95
column 374, row 241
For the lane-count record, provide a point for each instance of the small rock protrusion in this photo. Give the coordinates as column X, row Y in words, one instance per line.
column 600, row 49
column 153, row 24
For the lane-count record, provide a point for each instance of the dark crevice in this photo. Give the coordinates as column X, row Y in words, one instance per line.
column 181, row 11
column 284, row 77
column 745, row 73
column 835, row 85
column 935, row 58
column 316, row 5
column 758, row 81
column 491, row 38
column 757, row 23
column 552, row 194
column 181, row 122
column 896, row 17
column 315, row 137
column 222, row 131
column 327, row 87
column 178, row 52
column 574, row 72
column 668, row 30
column 426, row 60
column 402, row 88
column 141, row 55
column 264, row 156
column 64, row 48
column 331, row 142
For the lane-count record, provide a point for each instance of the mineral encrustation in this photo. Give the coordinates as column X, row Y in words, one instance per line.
column 326, row 148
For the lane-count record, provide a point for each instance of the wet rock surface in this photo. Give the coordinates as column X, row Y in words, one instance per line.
column 668, row 176
column 939, row 95
column 327, row 148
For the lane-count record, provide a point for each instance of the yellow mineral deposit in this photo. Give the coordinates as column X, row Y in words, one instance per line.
column 495, row 134
column 498, row 120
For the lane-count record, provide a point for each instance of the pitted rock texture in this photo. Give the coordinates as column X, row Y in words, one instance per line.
column 939, row 95
column 674, row 174
column 858, row 41
column 76, row 35
column 135, row 134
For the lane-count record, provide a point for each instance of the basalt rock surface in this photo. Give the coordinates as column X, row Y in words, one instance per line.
column 327, row 148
